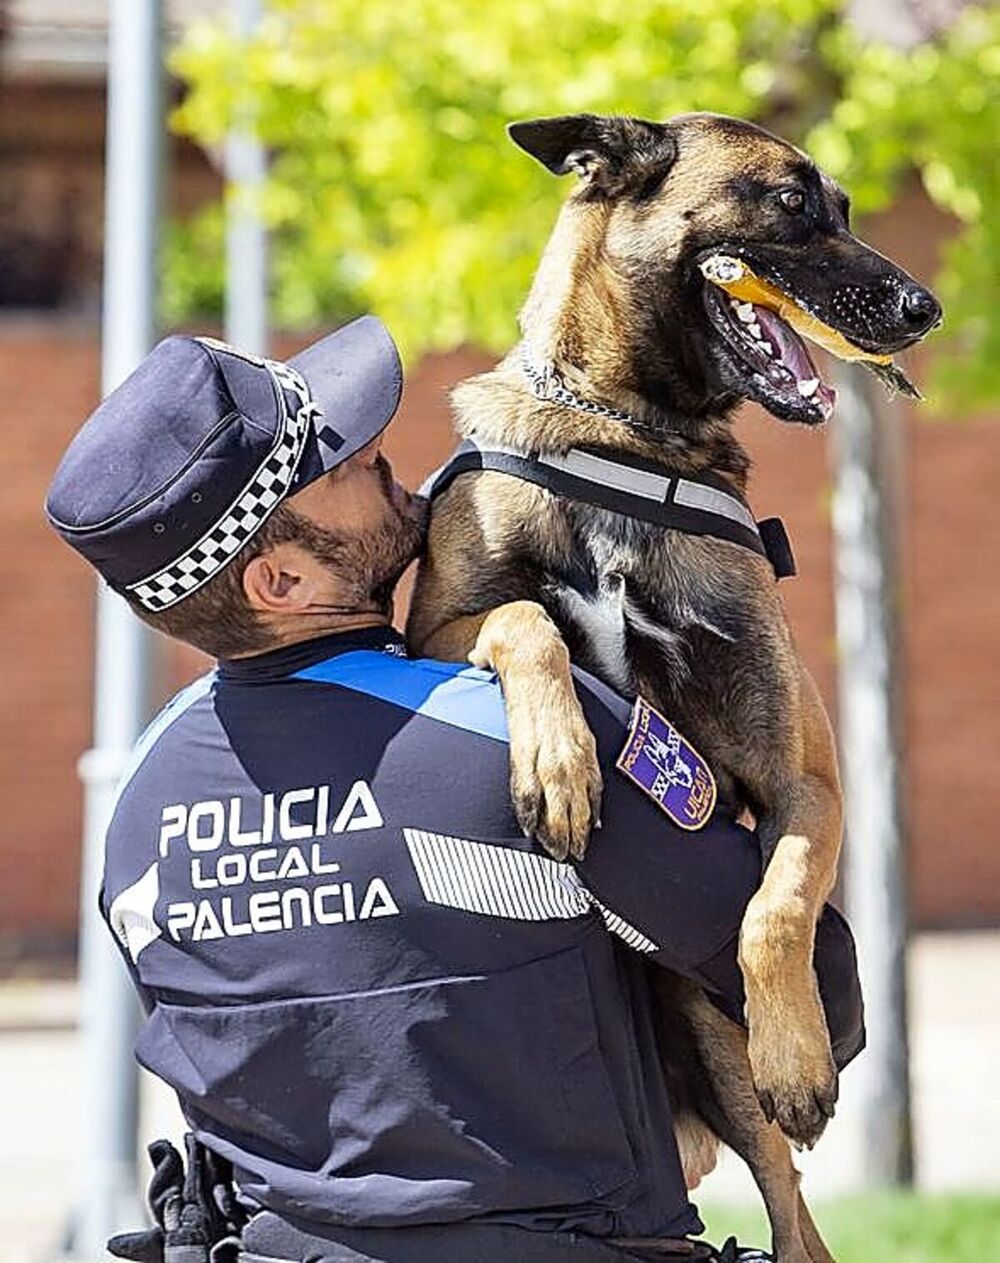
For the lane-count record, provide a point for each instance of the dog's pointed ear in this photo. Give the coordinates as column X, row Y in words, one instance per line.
column 572, row 142
column 609, row 153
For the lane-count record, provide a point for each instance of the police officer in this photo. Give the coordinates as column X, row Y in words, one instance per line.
column 413, row 1034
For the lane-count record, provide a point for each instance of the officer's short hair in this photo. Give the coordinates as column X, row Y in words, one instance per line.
column 217, row 618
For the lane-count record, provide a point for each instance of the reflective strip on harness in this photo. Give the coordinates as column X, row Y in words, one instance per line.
column 703, row 505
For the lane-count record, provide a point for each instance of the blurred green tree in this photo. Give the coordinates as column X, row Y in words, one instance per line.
column 393, row 187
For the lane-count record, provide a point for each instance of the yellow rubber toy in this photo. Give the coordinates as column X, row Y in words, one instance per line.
column 736, row 278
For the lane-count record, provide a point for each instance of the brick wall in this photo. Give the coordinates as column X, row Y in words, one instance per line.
column 950, row 616
column 47, row 380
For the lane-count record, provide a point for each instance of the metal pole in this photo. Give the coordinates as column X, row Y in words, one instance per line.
column 108, row 1199
column 875, row 861
column 246, row 245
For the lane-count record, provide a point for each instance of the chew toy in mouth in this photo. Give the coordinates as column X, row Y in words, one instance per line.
column 771, row 320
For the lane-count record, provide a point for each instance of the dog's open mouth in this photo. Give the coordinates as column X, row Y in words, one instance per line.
column 768, row 345
column 762, row 325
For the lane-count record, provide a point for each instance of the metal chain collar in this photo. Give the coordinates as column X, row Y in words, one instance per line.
column 547, row 385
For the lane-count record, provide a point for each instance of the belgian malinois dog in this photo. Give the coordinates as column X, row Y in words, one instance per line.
column 671, row 290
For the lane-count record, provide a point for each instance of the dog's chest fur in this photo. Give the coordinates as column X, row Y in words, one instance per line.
column 638, row 598
column 676, row 617
column 602, row 595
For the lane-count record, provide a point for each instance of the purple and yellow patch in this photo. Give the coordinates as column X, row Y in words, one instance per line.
column 667, row 768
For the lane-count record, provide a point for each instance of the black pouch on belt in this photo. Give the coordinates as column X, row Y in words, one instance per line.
column 196, row 1217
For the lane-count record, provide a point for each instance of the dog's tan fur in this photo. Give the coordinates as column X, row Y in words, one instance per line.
column 738, row 691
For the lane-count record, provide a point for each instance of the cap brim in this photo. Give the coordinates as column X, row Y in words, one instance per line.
column 356, row 377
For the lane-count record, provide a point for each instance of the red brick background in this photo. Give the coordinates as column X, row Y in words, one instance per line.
column 46, row 606
column 949, row 617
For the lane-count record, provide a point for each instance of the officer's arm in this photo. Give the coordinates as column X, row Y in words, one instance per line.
column 670, row 877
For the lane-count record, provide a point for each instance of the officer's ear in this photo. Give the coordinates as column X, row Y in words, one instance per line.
column 280, row 580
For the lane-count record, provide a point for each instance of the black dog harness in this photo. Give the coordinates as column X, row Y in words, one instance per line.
column 701, row 504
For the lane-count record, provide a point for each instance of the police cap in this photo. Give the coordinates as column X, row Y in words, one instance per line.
column 183, row 463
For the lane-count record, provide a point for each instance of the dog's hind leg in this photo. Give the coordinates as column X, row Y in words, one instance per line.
column 697, row 1145
column 718, row 1084
column 814, row 1243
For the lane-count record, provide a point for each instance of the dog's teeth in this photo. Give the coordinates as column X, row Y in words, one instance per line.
column 766, row 347
column 808, row 388
column 744, row 312
column 754, row 329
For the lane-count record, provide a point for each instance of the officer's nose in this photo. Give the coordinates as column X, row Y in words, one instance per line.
column 921, row 310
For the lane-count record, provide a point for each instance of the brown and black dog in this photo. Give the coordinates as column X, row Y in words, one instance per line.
column 520, row 579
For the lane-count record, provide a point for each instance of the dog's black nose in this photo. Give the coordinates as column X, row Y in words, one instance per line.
column 921, row 310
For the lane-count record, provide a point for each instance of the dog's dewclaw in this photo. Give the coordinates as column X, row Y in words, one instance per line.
column 733, row 275
column 894, row 380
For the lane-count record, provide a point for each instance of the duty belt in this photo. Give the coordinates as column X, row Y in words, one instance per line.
column 196, row 1217
column 696, row 504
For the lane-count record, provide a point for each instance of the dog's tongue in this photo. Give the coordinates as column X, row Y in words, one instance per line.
column 794, row 356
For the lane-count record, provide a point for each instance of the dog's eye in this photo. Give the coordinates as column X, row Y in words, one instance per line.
column 793, row 200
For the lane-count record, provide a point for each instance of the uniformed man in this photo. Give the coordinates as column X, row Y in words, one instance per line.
column 413, row 1034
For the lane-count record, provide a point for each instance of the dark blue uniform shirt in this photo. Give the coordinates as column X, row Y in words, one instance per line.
column 371, row 992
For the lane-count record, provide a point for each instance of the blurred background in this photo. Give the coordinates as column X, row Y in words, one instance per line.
column 353, row 153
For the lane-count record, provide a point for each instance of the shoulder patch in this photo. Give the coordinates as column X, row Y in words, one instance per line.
column 667, row 768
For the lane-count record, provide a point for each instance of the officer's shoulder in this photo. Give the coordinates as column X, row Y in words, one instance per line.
column 453, row 693
column 167, row 728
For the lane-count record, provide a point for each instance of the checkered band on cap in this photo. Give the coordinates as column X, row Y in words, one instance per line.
column 251, row 508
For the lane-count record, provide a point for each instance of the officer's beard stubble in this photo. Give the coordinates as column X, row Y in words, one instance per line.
column 368, row 567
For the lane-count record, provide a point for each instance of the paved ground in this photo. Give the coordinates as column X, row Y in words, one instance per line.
column 955, row 1044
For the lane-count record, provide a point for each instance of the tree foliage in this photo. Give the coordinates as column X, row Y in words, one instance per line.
column 393, row 187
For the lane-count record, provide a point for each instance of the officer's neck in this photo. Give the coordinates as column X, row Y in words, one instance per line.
column 313, row 624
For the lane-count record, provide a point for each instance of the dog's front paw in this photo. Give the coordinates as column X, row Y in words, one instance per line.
column 794, row 1074
column 555, row 774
